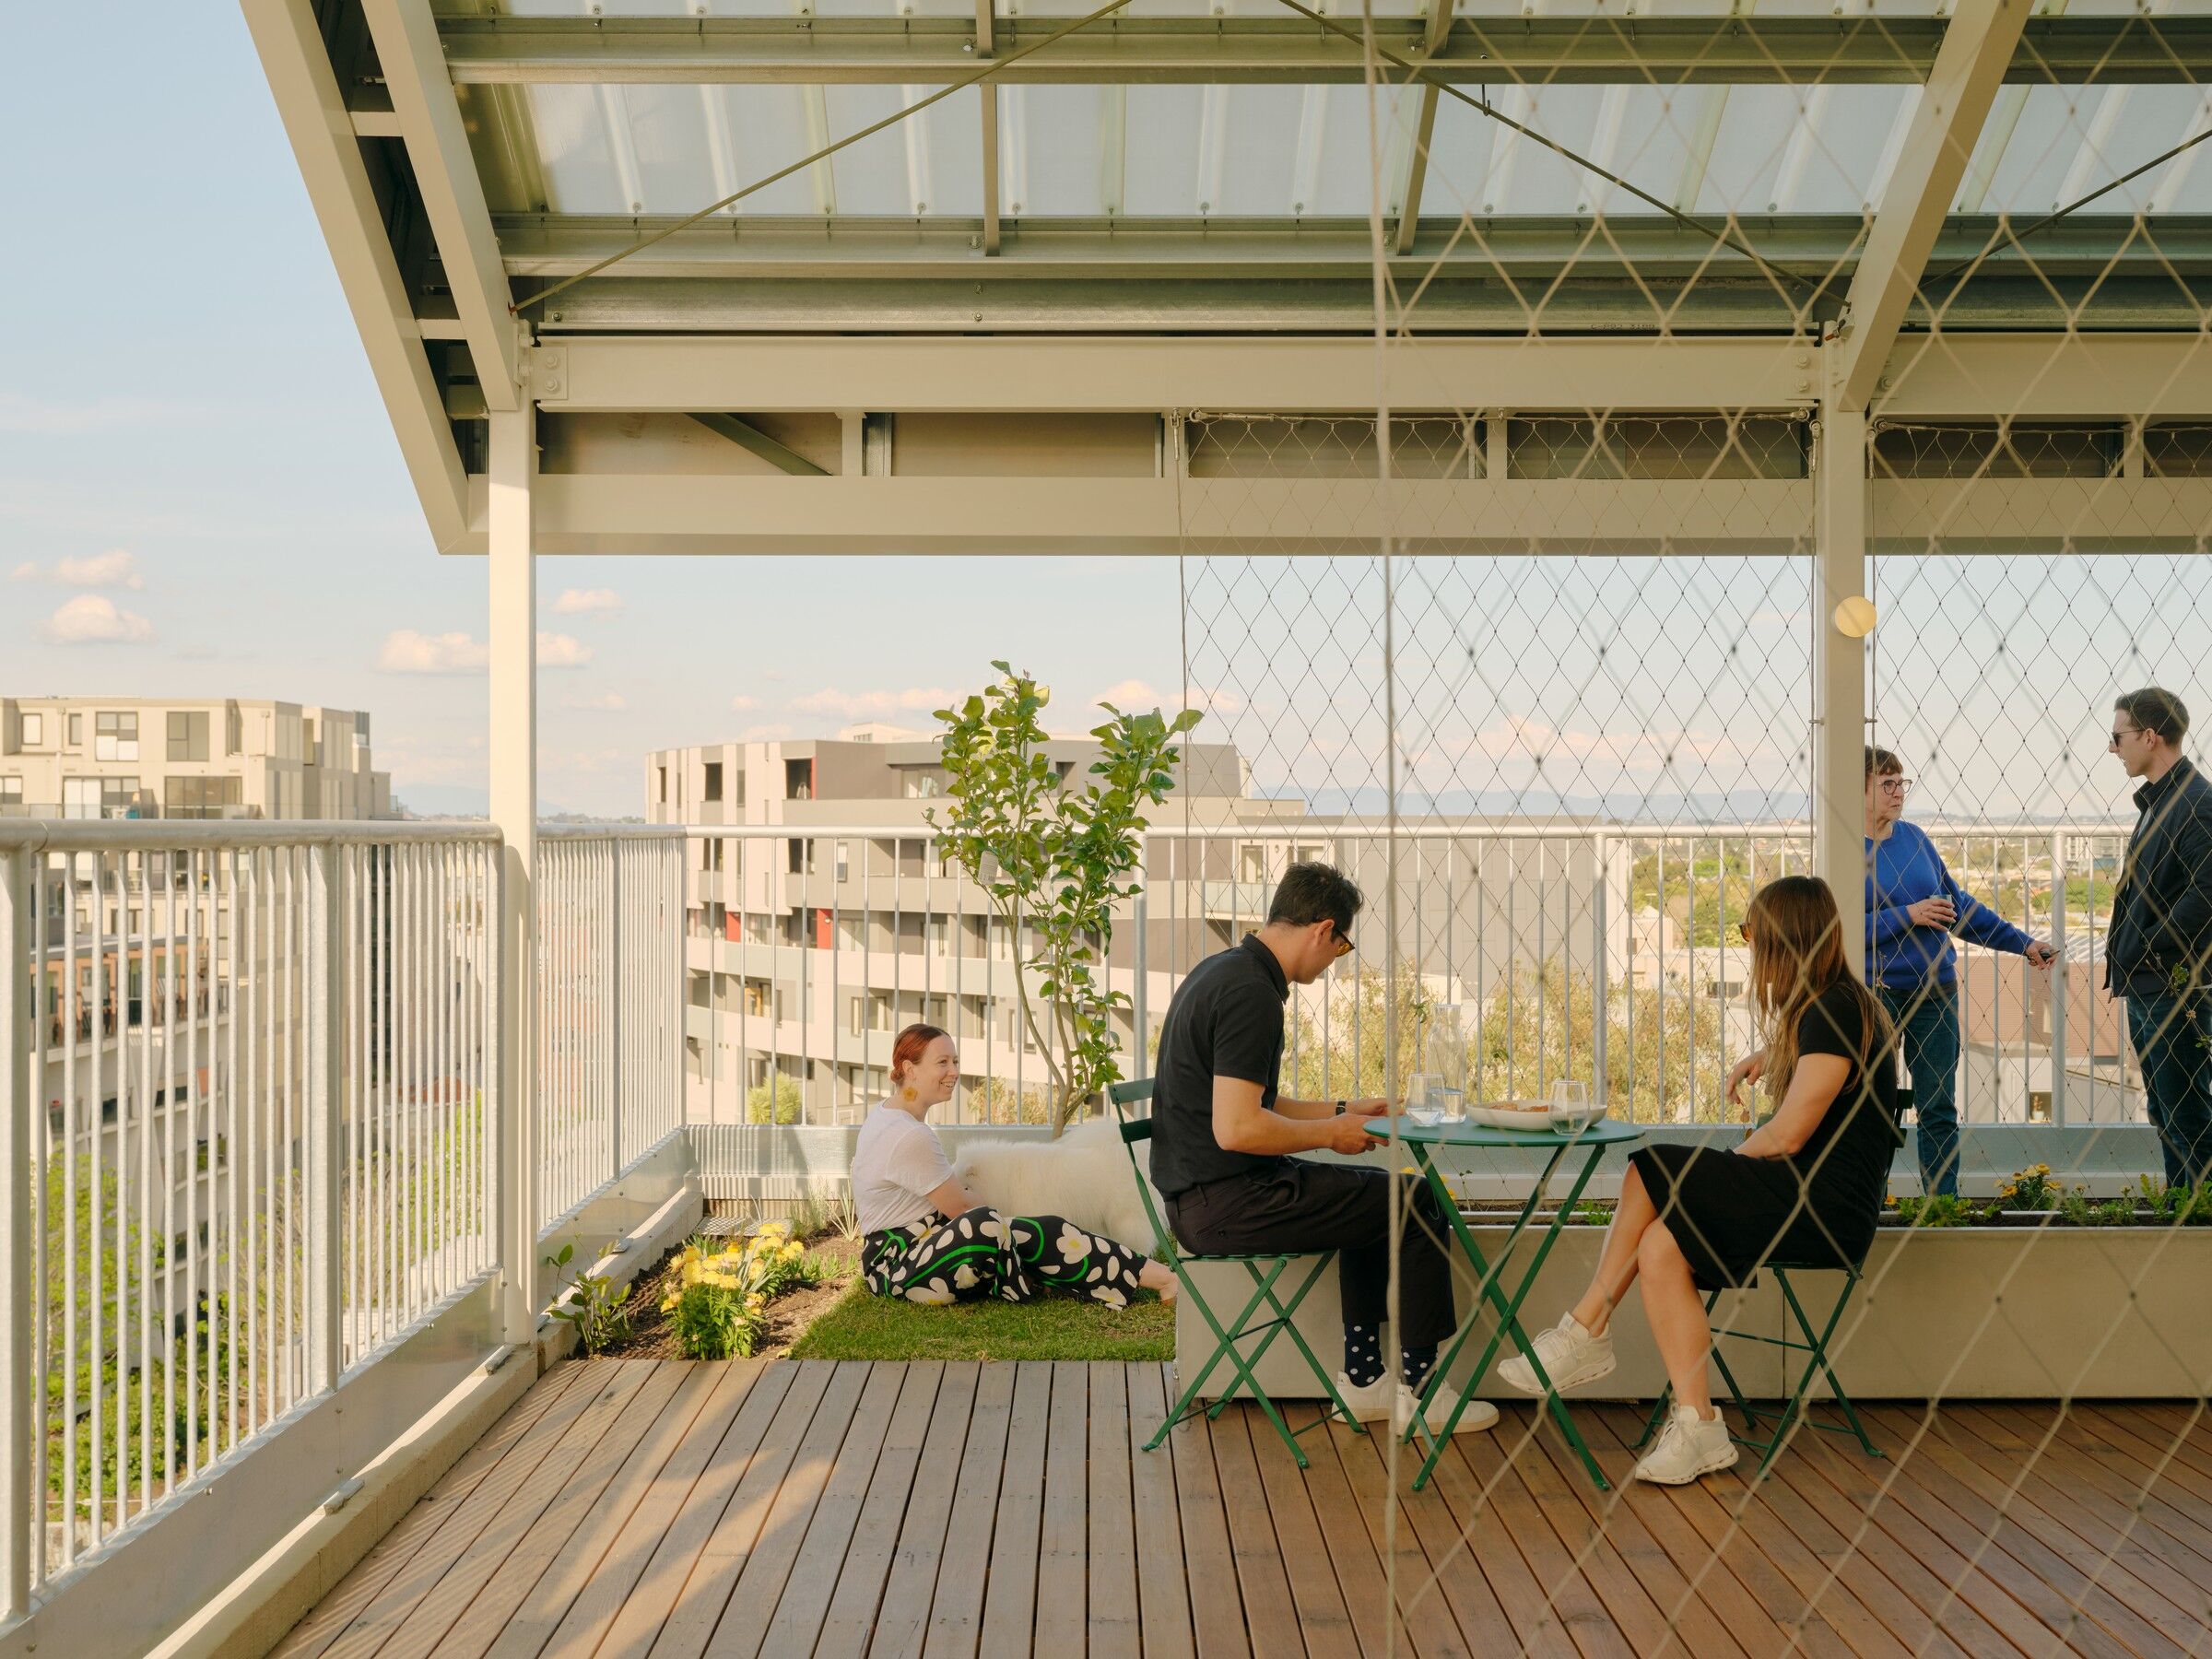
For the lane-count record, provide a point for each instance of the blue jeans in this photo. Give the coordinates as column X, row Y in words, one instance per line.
column 2173, row 1041
column 1926, row 1018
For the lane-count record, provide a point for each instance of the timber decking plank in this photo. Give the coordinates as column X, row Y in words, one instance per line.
column 366, row 1578
column 2041, row 1545
column 1162, row 1576
column 1736, row 1549
column 803, row 1608
column 837, row 1422
column 1685, row 1610
column 1492, row 1461
column 1434, row 1564
column 868, row 1557
column 1063, row 1573
column 1010, row 1596
column 1116, row 1624
column 374, row 1625
column 903, row 1614
column 956, row 1609
column 619, row 1614
column 1859, row 1526
column 1323, row 1619
column 491, row 1600
column 594, row 1560
column 1354, row 1533
column 622, row 1600
column 2028, row 1613
column 1218, row 1627
column 2119, row 1491
column 737, row 1529
column 1271, row 1617
column 1602, row 1554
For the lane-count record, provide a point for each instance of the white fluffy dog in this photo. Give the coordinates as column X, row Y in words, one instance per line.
column 1083, row 1177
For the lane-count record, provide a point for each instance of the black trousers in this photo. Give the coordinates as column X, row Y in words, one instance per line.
column 1310, row 1206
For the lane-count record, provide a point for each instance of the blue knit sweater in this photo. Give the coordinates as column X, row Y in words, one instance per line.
column 1902, row 871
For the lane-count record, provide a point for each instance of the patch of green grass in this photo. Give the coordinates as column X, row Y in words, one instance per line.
column 861, row 1326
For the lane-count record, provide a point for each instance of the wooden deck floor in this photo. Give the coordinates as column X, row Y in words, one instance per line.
column 647, row 1507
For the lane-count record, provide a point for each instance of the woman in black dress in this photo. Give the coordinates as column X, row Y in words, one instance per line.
column 1805, row 1186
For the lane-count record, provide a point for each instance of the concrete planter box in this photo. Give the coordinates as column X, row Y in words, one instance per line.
column 2113, row 1313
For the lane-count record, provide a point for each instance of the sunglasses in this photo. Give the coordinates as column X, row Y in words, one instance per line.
column 1344, row 947
column 2129, row 733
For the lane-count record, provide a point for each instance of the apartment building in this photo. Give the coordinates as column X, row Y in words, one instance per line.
column 805, row 954
column 203, row 757
column 137, row 986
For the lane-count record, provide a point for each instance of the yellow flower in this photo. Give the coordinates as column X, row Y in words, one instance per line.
column 755, row 1301
column 794, row 1251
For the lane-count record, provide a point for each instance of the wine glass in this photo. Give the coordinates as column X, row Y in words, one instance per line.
column 1570, row 1104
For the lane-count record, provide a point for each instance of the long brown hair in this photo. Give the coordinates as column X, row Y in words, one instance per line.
column 1796, row 954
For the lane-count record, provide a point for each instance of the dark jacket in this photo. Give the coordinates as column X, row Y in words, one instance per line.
column 2161, row 934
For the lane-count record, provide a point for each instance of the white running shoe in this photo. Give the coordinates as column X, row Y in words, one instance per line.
column 1689, row 1446
column 1378, row 1400
column 1571, row 1355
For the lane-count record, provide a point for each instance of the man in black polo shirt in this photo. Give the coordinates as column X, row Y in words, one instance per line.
column 1223, row 1136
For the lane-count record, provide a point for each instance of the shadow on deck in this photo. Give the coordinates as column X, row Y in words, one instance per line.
column 629, row 1507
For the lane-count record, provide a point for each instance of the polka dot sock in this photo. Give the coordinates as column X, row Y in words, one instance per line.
column 1363, row 1354
column 1418, row 1362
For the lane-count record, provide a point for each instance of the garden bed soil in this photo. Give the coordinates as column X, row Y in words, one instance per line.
column 788, row 1316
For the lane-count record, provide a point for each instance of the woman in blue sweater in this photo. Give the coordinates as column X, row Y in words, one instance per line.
column 1912, row 908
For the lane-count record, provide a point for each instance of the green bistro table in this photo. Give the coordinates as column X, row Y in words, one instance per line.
column 1593, row 1142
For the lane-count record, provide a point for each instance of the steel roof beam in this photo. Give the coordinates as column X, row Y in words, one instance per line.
column 453, row 193
column 1643, row 51
column 1917, row 199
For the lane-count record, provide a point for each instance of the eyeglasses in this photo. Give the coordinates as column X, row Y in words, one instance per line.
column 1344, row 947
column 1897, row 786
column 2130, row 731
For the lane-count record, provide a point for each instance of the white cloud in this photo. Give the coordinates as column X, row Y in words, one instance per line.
column 116, row 569
column 857, row 705
column 408, row 651
column 743, row 704
column 763, row 733
column 561, row 650
column 611, row 701
column 92, row 619
column 581, row 602
column 1131, row 694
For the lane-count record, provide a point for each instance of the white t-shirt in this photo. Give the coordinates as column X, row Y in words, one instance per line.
column 897, row 1164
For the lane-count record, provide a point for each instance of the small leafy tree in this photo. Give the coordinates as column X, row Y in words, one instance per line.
column 780, row 1100
column 1056, row 855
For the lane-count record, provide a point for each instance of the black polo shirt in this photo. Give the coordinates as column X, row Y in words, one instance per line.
column 1225, row 1020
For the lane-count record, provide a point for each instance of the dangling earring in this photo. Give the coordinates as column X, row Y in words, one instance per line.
column 908, row 1092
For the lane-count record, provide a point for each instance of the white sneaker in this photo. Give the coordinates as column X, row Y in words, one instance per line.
column 1688, row 1446
column 1570, row 1356
column 1378, row 1400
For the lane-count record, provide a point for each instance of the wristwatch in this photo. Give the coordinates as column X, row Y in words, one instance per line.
column 1340, row 1105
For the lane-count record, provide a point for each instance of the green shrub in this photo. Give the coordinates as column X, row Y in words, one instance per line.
column 718, row 1294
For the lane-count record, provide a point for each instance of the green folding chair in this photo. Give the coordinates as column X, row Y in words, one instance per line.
column 1814, row 1344
column 1264, row 1270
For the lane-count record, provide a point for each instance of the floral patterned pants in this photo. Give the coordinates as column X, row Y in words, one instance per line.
column 1014, row 1258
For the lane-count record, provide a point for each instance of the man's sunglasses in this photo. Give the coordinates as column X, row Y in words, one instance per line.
column 1343, row 946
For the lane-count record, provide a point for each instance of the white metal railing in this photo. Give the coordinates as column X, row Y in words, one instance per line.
column 250, row 1081
column 610, row 915
column 1518, row 934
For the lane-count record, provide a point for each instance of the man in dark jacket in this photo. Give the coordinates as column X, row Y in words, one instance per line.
column 2158, row 951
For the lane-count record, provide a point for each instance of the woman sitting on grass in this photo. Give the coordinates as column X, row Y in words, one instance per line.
column 929, row 1239
column 1805, row 1186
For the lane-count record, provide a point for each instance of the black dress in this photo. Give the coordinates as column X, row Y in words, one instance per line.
column 1817, row 1207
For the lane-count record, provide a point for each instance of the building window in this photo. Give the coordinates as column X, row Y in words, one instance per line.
column 845, row 861
column 116, row 736
column 34, row 730
column 713, row 782
column 200, row 797
column 77, row 730
column 187, row 736
column 663, row 786
column 234, row 730
column 11, row 793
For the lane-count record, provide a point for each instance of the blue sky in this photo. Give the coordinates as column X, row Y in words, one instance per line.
column 194, row 397
column 195, row 470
